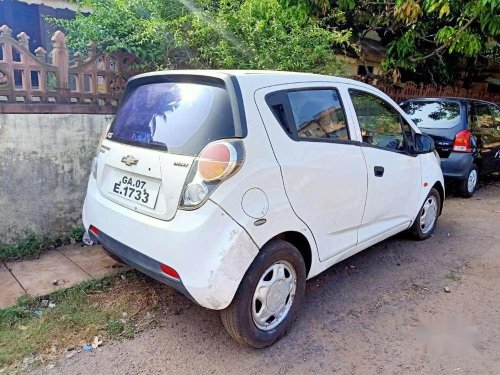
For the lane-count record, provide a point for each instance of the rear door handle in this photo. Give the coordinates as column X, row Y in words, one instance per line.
column 379, row 171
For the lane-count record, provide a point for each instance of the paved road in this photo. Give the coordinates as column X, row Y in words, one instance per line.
column 383, row 311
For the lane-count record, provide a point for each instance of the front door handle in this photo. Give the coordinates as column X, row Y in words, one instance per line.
column 379, row 171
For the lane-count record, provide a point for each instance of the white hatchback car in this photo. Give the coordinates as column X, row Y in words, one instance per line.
column 234, row 187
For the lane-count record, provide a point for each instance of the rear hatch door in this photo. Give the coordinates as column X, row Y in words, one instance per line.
column 162, row 125
column 443, row 139
column 144, row 180
column 441, row 119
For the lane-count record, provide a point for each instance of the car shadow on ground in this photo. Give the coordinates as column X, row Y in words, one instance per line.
column 360, row 313
column 353, row 287
column 350, row 288
column 484, row 181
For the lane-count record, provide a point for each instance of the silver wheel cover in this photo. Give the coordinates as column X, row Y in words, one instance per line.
column 472, row 181
column 428, row 214
column 274, row 294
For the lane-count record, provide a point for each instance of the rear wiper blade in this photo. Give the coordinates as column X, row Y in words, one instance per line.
column 157, row 143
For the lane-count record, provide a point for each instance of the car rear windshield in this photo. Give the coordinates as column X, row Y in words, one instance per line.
column 177, row 117
column 437, row 114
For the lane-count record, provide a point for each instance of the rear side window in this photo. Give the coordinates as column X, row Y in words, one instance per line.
column 310, row 114
column 177, row 117
column 433, row 114
column 318, row 114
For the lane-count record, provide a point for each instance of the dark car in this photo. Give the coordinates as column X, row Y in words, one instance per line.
column 466, row 133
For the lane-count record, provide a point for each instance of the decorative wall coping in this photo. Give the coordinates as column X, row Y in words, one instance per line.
column 49, row 83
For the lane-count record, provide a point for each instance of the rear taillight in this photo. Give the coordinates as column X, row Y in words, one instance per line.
column 462, row 141
column 215, row 163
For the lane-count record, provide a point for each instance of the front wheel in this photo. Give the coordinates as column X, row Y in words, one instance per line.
column 467, row 187
column 427, row 217
column 269, row 296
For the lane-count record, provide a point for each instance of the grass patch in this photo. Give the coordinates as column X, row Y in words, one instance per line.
column 453, row 276
column 33, row 245
column 110, row 308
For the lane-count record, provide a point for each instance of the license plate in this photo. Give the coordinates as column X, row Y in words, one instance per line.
column 141, row 190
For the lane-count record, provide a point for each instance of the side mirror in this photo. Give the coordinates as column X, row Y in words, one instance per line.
column 423, row 144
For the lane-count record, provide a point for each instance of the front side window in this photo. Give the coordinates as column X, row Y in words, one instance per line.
column 379, row 122
column 318, row 114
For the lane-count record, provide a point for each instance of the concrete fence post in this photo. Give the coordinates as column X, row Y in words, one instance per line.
column 60, row 58
column 5, row 30
column 41, row 54
column 24, row 40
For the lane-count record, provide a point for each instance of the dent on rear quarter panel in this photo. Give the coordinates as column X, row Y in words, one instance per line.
column 235, row 258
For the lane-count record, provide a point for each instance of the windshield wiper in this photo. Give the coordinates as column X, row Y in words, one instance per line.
column 157, row 143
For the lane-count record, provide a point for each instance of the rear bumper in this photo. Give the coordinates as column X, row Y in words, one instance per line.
column 457, row 165
column 208, row 249
column 139, row 261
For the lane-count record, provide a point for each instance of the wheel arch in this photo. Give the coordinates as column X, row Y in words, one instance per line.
column 298, row 240
column 479, row 164
column 439, row 187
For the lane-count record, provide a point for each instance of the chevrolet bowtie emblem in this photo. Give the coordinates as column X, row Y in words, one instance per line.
column 130, row 160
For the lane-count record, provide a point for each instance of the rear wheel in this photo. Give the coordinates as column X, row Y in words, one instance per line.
column 269, row 296
column 467, row 187
column 427, row 218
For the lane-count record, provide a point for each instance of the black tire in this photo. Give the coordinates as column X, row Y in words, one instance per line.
column 416, row 229
column 463, row 186
column 237, row 317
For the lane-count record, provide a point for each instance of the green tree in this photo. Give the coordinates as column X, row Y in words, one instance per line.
column 236, row 34
column 432, row 36
column 136, row 26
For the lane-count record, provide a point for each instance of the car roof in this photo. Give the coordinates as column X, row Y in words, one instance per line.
column 259, row 77
column 232, row 72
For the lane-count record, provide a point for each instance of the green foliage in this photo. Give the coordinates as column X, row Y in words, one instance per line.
column 452, row 27
column 259, row 35
column 114, row 328
column 225, row 34
column 17, row 313
column 431, row 37
column 435, row 36
column 453, row 276
column 132, row 25
column 33, row 245
column 22, row 332
column 91, row 308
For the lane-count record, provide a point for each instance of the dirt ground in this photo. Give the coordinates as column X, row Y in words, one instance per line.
column 383, row 311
